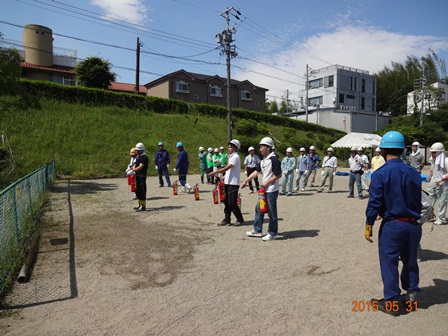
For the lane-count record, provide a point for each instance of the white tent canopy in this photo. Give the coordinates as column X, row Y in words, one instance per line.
column 352, row 139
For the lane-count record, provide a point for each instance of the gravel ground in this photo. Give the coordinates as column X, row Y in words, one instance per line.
column 103, row 269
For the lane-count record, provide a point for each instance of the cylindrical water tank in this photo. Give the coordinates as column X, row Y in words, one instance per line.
column 38, row 45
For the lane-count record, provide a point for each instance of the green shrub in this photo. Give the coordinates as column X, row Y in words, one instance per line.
column 246, row 127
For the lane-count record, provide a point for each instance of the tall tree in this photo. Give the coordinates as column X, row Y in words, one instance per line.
column 273, row 108
column 94, row 72
column 10, row 70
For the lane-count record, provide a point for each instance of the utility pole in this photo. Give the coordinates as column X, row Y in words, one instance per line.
column 137, row 67
column 419, row 84
column 287, row 101
column 306, row 90
column 225, row 39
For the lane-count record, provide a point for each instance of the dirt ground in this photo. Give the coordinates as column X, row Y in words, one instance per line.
column 103, row 269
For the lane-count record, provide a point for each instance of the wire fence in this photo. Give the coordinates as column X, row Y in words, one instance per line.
column 18, row 203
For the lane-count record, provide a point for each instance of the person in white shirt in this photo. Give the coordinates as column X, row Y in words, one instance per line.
column 252, row 161
column 365, row 159
column 356, row 164
column 231, row 184
column 438, row 178
column 288, row 164
column 329, row 165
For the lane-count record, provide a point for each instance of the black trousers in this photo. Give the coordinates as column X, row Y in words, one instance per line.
column 257, row 185
column 230, row 203
column 209, row 178
column 141, row 188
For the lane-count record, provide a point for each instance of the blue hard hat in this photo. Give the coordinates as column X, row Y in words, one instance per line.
column 392, row 139
column 180, row 144
column 160, row 143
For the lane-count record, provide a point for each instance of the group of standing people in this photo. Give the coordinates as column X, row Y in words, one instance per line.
column 210, row 162
column 138, row 167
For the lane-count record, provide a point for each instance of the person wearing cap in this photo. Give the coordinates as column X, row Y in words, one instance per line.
column 209, row 165
column 270, row 168
column 129, row 171
column 356, row 164
column 202, row 163
column 288, row 164
column 231, row 184
column 377, row 160
column 162, row 163
column 251, row 162
column 329, row 165
column 302, row 169
column 416, row 159
column 140, row 169
column 396, row 198
column 314, row 161
column 223, row 156
column 365, row 168
column 438, row 181
column 216, row 160
column 182, row 165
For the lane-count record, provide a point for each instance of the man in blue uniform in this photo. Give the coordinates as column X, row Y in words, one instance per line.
column 182, row 165
column 162, row 163
column 395, row 196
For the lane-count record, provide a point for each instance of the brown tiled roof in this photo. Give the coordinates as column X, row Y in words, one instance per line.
column 57, row 68
column 126, row 87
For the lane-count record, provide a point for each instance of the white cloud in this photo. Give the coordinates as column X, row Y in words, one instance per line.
column 133, row 11
column 359, row 47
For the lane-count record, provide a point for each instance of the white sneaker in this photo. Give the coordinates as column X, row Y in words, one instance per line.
column 296, row 188
column 268, row 237
column 253, row 233
column 439, row 222
column 303, row 189
column 182, row 189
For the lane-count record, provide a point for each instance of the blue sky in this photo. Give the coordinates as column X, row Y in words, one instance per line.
column 274, row 39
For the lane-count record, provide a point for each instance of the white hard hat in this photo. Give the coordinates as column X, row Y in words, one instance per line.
column 216, row 150
column 437, row 147
column 302, row 149
column 140, row 146
column 360, row 149
column 289, row 150
column 201, row 148
column 377, row 149
column 330, row 149
column 210, row 150
column 268, row 142
column 354, row 149
column 416, row 143
column 221, row 147
column 234, row 142
column 251, row 148
column 312, row 148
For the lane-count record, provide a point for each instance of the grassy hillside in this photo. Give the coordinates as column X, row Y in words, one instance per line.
column 90, row 142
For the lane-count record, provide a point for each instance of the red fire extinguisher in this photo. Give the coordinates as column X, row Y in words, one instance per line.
column 262, row 200
column 215, row 196
column 238, row 201
column 133, row 182
column 196, row 192
column 222, row 191
column 175, row 186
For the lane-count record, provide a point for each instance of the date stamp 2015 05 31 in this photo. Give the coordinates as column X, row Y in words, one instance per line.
column 360, row 306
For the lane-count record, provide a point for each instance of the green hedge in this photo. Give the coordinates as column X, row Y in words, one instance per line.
column 99, row 97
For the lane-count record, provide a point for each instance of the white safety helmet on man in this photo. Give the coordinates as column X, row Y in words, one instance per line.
column 312, row 148
column 267, row 141
column 392, row 139
column 354, row 149
column 210, row 150
column 201, row 148
column 360, row 149
column 378, row 150
column 234, row 142
column 289, row 150
column 416, row 143
column 251, row 149
column 216, row 150
column 140, row 146
column 437, row 147
column 302, row 149
column 330, row 149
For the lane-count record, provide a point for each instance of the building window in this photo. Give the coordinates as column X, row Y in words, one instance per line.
column 182, row 87
column 257, row 103
column 315, row 101
column 215, row 91
column 350, row 96
column 69, row 81
column 363, row 85
column 316, row 83
column 363, row 103
column 352, row 83
column 330, row 81
column 341, row 98
column 246, row 95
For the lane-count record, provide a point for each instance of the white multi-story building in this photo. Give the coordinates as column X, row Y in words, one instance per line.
column 343, row 98
column 433, row 97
